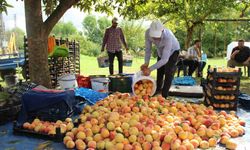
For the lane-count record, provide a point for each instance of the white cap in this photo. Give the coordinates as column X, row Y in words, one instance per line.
column 155, row 29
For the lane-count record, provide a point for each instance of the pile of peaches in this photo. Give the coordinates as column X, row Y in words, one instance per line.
column 143, row 87
column 124, row 122
column 224, row 69
column 49, row 128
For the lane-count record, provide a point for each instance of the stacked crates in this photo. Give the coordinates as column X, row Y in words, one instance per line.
column 58, row 65
column 222, row 88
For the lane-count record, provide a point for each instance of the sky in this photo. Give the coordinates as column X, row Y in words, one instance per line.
column 74, row 15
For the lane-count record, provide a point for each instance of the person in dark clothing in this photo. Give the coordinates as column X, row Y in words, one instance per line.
column 112, row 40
column 240, row 55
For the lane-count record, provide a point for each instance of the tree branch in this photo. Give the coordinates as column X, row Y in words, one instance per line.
column 56, row 15
column 244, row 11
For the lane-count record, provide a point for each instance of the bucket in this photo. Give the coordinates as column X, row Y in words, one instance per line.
column 100, row 84
column 10, row 80
column 67, row 81
column 138, row 77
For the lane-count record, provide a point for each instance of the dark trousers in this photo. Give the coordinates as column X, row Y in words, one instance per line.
column 118, row 54
column 168, row 70
column 192, row 65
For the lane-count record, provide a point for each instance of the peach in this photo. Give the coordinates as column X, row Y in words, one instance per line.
column 26, row 125
column 81, row 135
column 175, row 144
column 110, row 126
column 195, row 143
column 100, row 145
column 119, row 138
column 95, row 129
column 70, row 126
column 234, row 133
column 66, row 139
column 147, row 130
column 210, row 132
column 133, row 131
column 204, row 144
column 182, row 147
column 201, row 132
column 156, row 136
column 231, row 145
column 68, row 120
column 71, row 134
column 109, row 145
column 104, row 132
column 128, row 147
column 92, row 144
column 119, row 146
column 88, row 132
column 212, row 142
column 149, row 138
column 132, row 138
column 70, row 144
column 165, row 146
column 183, row 135
column 146, row 146
column 80, row 145
column 97, row 137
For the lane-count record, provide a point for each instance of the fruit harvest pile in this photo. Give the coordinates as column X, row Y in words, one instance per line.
column 143, row 87
column 121, row 121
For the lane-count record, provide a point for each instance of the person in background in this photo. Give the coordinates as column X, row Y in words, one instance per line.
column 240, row 55
column 112, row 41
column 167, row 50
column 193, row 60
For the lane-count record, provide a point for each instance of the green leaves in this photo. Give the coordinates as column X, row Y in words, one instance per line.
column 4, row 5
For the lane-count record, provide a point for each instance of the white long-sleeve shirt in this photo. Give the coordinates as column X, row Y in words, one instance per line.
column 165, row 47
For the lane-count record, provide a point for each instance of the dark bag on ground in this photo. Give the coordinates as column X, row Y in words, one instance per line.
column 47, row 106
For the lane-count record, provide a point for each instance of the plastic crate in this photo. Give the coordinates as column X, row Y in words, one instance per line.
column 19, row 130
column 120, row 83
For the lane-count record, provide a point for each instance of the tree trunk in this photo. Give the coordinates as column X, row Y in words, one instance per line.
column 37, row 44
column 189, row 36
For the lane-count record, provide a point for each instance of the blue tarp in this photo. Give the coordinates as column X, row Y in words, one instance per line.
column 90, row 95
column 36, row 100
column 186, row 80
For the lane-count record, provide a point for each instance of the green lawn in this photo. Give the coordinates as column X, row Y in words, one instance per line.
column 89, row 66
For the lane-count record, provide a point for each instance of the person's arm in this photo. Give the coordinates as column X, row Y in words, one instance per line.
column 123, row 40
column 234, row 52
column 105, row 39
column 165, row 55
column 148, row 45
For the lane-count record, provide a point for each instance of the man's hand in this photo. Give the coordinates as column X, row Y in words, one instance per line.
column 144, row 66
column 146, row 72
column 234, row 53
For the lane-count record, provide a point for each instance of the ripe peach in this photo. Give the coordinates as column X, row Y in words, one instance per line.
column 71, row 134
column 132, row 138
column 110, row 126
column 128, row 147
column 234, row 133
column 204, row 144
column 95, row 129
column 70, row 126
column 147, row 130
column 133, row 131
column 80, row 145
column 100, row 145
column 183, row 135
column 119, row 146
column 149, row 138
column 66, row 139
column 70, row 144
column 104, row 132
column 165, row 146
column 92, row 144
column 97, row 137
column 195, row 143
column 26, row 125
column 81, row 135
column 146, row 146
column 231, row 145
column 212, row 142
column 119, row 138
column 68, row 120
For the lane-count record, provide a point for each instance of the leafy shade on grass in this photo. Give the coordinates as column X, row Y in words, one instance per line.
column 89, row 66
